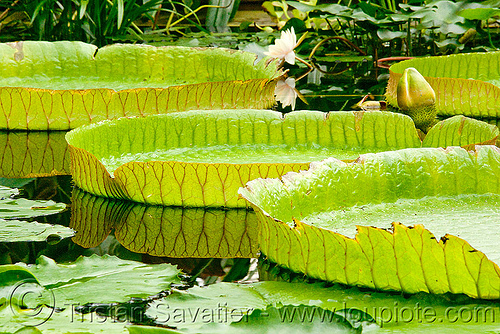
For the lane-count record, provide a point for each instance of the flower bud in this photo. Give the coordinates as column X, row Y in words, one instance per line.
column 417, row 99
column 414, row 91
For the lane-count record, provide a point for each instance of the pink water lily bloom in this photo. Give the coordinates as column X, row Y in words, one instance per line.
column 283, row 47
column 285, row 92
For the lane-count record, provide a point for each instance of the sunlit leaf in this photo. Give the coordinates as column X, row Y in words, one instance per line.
column 62, row 85
column 206, row 157
column 309, row 218
column 15, row 231
column 392, row 312
column 23, row 208
column 92, row 279
column 460, row 131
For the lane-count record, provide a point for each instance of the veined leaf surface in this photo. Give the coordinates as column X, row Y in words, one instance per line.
column 16, row 231
column 62, row 85
column 308, row 221
column 33, row 154
column 465, row 84
column 394, row 313
column 164, row 231
column 200, row 159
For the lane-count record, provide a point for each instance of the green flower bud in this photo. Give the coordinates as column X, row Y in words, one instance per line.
column 417, row 99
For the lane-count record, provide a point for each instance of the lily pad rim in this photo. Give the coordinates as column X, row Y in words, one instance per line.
column 450, row 56
column 267, row 61
column 282, row 118
column 314, row 166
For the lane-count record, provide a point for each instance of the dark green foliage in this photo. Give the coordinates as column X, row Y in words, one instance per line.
column 94, row 21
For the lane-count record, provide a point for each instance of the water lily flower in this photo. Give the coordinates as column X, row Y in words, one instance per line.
column 283, row 47
column 285, row 92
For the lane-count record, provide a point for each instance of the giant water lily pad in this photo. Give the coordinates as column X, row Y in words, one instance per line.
column 62, row 85
column 309, row 220
column 200, row 159
column 162, row 230
column 466, row 84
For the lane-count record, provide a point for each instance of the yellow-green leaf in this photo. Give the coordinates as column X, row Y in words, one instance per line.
column 62, row 85
column 401, row 202
column 200, row 159
column 162, row 230
column 33, row 154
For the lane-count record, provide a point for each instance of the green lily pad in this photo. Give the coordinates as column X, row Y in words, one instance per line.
column 62, row 85
column 33, row 154
column 465, row 84
column 206, row 157
column 11, row 207
column 15, row 230
column 91, row 279
column 164, row 231
column 460, row 131
column 393, row 313
column 309, row 221
column 6, row 192
column 289, row 318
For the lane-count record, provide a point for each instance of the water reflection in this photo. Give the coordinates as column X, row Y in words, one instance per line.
column 164, row 231
column 32, row 154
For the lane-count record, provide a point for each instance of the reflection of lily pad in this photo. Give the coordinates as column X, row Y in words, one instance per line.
column 33, row 154
column 62, row 85
column 164, row 231
column 466, row 84
column 308, row 220
column 201, row 159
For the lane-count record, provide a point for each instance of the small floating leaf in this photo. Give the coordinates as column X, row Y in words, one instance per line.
column 15, row 230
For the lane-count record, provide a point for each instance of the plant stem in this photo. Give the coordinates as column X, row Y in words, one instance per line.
column 489, row 34
column 408, row 37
